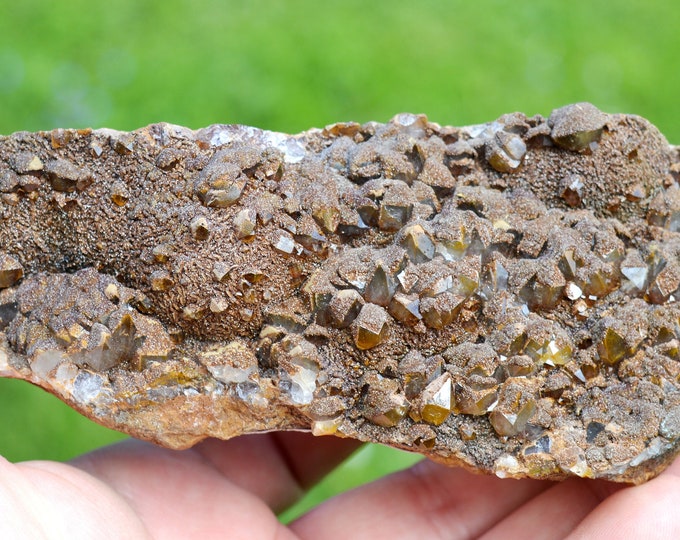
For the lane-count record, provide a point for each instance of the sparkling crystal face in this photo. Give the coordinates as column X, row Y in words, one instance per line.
column 502, row 296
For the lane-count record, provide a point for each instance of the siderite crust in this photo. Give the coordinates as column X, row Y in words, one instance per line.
column 502, row 297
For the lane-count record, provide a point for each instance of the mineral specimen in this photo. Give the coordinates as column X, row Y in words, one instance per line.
column 502, row 297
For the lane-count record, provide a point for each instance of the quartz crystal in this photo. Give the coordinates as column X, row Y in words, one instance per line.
column 502, row 297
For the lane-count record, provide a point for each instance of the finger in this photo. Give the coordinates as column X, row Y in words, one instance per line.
column 553, row 513
column 180, row 494
column 277, row 467
column 46, row 499
column 425, row 501
column 646, row 511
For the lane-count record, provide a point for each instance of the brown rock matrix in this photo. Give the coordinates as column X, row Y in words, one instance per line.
column 502, row 297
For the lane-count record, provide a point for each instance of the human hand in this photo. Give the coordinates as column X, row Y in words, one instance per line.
column 233, row 490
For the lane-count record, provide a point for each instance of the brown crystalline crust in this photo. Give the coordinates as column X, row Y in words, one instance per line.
column 502, row 297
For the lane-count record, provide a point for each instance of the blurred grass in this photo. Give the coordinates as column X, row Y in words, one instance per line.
column 290, row 65
column 36, row 425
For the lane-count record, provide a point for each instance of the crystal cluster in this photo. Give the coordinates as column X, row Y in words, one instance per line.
column 502, row 297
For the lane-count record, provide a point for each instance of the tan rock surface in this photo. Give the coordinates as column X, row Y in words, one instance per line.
column 502, row 297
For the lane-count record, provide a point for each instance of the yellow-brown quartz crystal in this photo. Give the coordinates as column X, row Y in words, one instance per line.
column 502, row 297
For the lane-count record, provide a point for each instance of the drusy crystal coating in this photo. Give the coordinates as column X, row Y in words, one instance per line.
column 502, row 297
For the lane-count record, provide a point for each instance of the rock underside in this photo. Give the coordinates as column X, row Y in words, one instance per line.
column 502, row 297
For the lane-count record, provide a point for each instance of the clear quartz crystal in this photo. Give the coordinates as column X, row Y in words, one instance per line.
column 303, row 385
column 87, row 387
column 637, row 275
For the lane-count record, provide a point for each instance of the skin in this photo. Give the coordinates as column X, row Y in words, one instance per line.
column 234, row 489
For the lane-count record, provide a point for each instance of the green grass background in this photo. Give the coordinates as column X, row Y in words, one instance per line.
column 291, row 65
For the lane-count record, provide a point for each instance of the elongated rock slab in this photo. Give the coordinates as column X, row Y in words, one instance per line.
column 502, row 297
